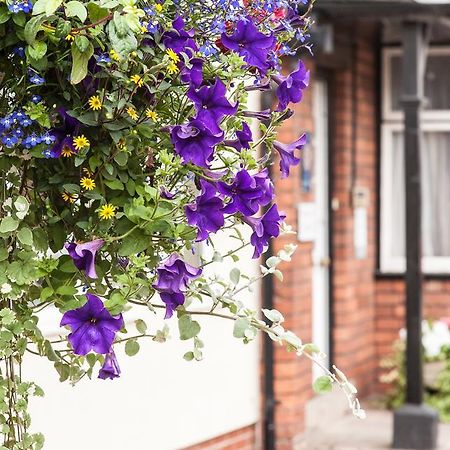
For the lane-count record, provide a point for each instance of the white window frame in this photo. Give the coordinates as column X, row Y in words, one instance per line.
column 392, row 121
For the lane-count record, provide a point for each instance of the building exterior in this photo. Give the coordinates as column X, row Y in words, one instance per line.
column 345, row 288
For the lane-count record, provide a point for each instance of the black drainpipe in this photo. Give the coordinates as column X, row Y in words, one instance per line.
column 268, row 347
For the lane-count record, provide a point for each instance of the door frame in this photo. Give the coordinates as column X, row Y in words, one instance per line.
column 326, row 169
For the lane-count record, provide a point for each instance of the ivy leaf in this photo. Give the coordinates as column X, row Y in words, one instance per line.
column 132, row 347
column 51, row 6
column 80, row 63
column 21, row 205
column 8, row 224
column 32, row 27
column 134, row 243
column 240, row 326
column 188, row 327
column 235, row 275
column 25, row 236
column 323, row 384
column 76, row 9
column 82, row 43
column 37, row 50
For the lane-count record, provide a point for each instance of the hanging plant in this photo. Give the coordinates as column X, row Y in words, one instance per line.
column 125, row 141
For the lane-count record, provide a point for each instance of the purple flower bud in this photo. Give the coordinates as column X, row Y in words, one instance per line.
column 110, row 368
column 83, row 255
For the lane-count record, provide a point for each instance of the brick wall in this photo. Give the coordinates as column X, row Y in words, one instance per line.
column 293, row 295
column 242, row 439
column 354, row 153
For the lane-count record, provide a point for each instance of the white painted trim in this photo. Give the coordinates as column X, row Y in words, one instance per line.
column 388, row 113
column 389, row 264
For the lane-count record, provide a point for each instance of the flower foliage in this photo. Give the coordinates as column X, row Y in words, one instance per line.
column 125, row 138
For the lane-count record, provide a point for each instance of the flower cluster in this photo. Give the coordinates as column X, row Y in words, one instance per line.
column 125, row 138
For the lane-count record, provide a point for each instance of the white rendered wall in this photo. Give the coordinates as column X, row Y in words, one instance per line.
column 161, row 402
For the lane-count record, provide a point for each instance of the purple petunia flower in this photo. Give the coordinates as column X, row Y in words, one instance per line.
column 260, row 115
column 83, row 255
column 193, row 74
column 243, row 138
column 173, row 278
column 211, row 104
column 247, row 193
column 250, row 43
column 287, row 157
column 195, row 142
column 174, row 275
column 290, row 89
column 264, row 228
column 93, row 327
column 206, row 213
column 178, row 39
column 172, row 300
column 110, row 368
column 64, row 134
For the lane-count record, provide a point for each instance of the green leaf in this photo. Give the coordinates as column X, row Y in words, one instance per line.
column 4, row 14
column 115, row 185
column 188, row 356
column 134, row 243
column 96, row 13
column 32, row 27
column 63, row 28
column 132, row 347
column 235, row 275
column 240, row 326
column 76, row 9
column 80, row 63
column 188, row 327
column 37, row 50
column 141, row 326
column 21, row 205
column 323, row 384
column 82, row 43
column 46, row 293
column 115, row 303
column 66, row 290
column 8, row 224
column 49, row 352
column 25, row 236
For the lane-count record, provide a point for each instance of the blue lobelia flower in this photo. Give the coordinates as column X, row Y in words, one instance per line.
column 93, row 327
column 207, row 212
column 290, row 88
column 250, row 43
column 287, row 156
column 195, row 142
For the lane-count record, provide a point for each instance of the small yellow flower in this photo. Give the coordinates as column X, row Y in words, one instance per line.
column 132, row 113
column 172, row 68
column 172, row 55
column 114, row 55
column 68, row 197
column 67, row 152
column 143, row 29
column 152, row 115
column 70, row 37
column 87, row 172
column 95, row 103
column 137, row 80
column 107, row 211
column 158, row 7
column 87, row 183
column 81, row 142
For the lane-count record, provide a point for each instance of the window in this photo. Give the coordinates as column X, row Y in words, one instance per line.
column 435, row 161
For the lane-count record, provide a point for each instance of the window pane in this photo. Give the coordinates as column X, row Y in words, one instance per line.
column 435, row 159
column 437, row 86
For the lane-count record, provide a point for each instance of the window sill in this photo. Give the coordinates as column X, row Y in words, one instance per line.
column 379, row 275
